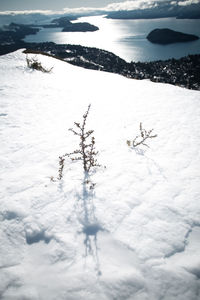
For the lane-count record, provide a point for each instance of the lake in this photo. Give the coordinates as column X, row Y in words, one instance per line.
column 126, row 38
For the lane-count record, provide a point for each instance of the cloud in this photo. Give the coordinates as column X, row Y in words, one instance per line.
column 144, row 4
column 115, row 6
column 27, row 12
column 130, row 5
column 79, row 10
column 188, row 2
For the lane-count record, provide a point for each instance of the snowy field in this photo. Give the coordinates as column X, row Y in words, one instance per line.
column 136, row 234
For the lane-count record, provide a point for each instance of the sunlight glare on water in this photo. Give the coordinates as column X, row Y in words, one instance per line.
column 106, row 37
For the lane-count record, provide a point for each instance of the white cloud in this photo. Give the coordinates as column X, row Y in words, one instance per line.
column 143, row 4
column 27, row 12
column 131, row 5
column 80, row 10
column 187, row 2
column 115, row 6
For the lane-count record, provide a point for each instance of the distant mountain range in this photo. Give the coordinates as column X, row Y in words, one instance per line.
column 164, row 10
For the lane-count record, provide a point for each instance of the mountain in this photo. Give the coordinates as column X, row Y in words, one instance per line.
column 127, row 230
column 163, row 9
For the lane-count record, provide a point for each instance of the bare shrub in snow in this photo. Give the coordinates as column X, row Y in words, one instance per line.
column 61, row 164
column 34, row 64
column 141, row 138
column 86, row 151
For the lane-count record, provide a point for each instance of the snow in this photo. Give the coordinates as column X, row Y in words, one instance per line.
column 136, row 235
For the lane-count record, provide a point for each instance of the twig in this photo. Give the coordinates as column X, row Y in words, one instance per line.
column 141, row 139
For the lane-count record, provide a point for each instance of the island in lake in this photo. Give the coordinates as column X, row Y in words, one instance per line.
column 167, row 36
column 68, row 26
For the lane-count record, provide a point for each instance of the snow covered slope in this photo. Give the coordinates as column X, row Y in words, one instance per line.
column 136, row 235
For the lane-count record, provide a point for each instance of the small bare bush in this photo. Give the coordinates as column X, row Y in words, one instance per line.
column 34, row 64
column 141, row 138
column 86, row 151
column 61, row 167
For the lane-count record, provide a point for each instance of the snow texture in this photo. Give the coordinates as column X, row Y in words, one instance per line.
column 136, row 234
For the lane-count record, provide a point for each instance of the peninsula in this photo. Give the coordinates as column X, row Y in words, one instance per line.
column 68, row 26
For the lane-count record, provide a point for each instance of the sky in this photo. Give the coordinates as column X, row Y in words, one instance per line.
column 65, row 5
column 51, row 4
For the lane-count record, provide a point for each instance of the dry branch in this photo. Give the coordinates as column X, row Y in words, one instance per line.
column 36, row 65
column 86, row 151
column 142, row 137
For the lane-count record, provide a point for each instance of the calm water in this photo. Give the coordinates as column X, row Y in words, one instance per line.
column 127, row 38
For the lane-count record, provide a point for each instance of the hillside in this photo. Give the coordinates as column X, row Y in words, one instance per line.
column 131, row 233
